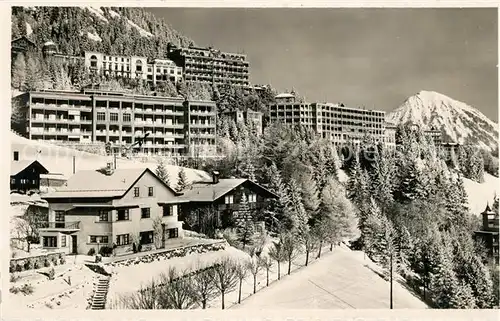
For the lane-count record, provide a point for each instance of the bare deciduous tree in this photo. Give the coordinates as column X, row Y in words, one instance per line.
column 225, row 276
column 158, row 232
column 290, row 249
column 254, row 267
column 241, row 274
column 177, row 290
column 204, row 286
column 276, row 253
column 27, row 226
column 266, row 263
column 310, row 243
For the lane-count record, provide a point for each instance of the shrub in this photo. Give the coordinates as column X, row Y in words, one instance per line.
column 28, row 265
column 52, row 273
column 27, row 289
column 19, row 267
column 14, row 277
column 105, row 251
column 12, row 267
column 46, row 263
column 62, row 259
column 91, row 252
column 14, row 289
column 36, row 264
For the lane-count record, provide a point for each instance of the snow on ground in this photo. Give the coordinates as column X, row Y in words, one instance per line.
column 98, row 12
column 338, row 280
column 93, row 36
column 480, row 194
column 29, row 30
column 142, row 32
column 58, row 159
column 131, row 278
column 56, row 293
column 114, row 14
column 343, row 178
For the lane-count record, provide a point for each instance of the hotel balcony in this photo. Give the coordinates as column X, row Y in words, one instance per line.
column 59, row 226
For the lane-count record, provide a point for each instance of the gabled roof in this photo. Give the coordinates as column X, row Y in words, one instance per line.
column 94, row 184
column 18, row 166
column 25, row 38
column 209, row 192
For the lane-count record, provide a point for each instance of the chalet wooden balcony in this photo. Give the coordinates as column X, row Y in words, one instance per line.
column 60, row 226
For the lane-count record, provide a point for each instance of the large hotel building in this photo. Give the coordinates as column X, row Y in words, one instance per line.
column 337, row 122
column 211, row 66
column 175, row 126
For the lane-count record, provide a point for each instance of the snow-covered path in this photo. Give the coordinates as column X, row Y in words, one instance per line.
column 339, row 280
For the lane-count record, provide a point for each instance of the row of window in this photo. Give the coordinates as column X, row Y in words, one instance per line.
column 124, row 214
column 101, row 116
column 146, row 237
column 23, row 181
column 51, row 241
column 251, row 198
column 137, row 191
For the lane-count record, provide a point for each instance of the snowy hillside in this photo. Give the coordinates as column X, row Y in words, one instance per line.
column 60, row 159
column 479, row 195
column 457, row 121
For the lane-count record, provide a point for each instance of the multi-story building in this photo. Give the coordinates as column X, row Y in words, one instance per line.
column 390, row 135
column 489, row 233
column 115, row 208
column 337, row 122
column 175, row 126
column 248, row 117
column 154, row 70
column 211, row 66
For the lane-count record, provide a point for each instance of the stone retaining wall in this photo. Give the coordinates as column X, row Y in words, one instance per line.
column 170, row 253
column 36, row 262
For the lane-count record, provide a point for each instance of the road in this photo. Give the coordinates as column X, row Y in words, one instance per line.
column 339, row 280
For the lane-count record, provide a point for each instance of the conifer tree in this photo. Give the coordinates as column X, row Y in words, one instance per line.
column 182, row 182
column 162, row 172
column 245, row 228
column 276, row 214
column 296, row 210
column 310, row 195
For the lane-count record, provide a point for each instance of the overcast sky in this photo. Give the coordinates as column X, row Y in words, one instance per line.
column 363, row 57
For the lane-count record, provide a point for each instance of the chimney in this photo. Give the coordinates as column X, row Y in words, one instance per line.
column 16, row 156
column 109, row 169
column 215, row 177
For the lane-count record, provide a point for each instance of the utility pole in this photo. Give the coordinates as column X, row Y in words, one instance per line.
column 74, row 167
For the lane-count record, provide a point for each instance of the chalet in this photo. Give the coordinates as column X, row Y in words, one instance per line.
column 489, row 233
column 225, row 197
column 114, row 208
column 25, row 174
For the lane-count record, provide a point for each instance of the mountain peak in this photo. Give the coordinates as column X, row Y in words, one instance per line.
column 457, row 121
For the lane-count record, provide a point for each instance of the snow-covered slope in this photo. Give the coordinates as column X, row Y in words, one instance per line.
column 59, row 159
column 480, row 194
column 457, row 121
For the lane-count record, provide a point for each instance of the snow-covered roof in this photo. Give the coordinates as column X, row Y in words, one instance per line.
column 284, row 95
column 49, row 43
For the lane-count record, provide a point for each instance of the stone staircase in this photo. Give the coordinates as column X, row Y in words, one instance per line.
column 101, row 291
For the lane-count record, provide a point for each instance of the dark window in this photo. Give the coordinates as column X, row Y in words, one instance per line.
column 16, row 155
column 126, row 117
column 63, row 241
column 123, row 215
column 145, row 212
column 93, row 61
column 59, row 218
column 102, row 239
column 101, row 116
column 122, row 239
column 173, row 233
column 167, row 210
column 150, row 191
column 103, row 216
column 136, row 192
column 50, row 241
column 146, row 237
column 113, row 117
